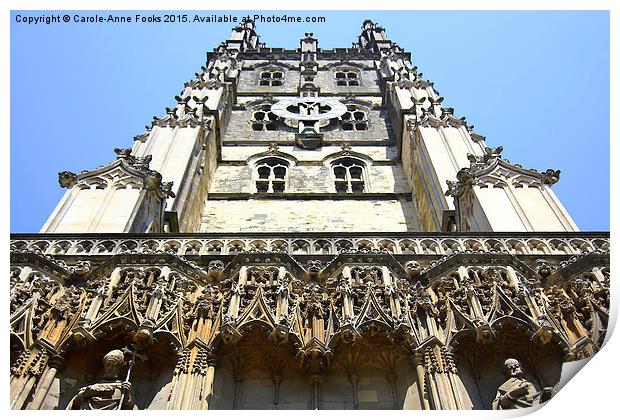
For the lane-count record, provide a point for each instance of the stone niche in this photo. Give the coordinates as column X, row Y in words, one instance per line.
column 151, row 380
column 481, row 364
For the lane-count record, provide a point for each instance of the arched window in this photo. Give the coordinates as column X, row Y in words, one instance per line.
column 271, row 78
column 355, row 119
column 271, row 175
column 347, row 77
column 349, row 175
column 263, row 119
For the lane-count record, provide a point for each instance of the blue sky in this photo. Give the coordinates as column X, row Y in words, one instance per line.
column 535, row 82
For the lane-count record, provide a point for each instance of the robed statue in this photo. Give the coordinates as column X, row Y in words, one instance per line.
column 516, row 391
column 110, row 392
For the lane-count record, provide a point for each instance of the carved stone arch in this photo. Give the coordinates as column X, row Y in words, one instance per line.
column 82, row 247
column 329, row 159
column 171, row 246
column 387, row 245
column 40, row 246
column 170, row 329
column 192, row 247
column 123, row 312
column 517, row 246
column 408, row 246
column 151, row 378
column 149, row 246
column 257, row 245
column 343, row 245
column 372, row 317
column 371, row 362
column 494, row 245
column 22, row 322
column 491, row 181
column 16, row 347
column 300, row 247
column 215, row 247
column 105, row 247
column 346, row 64
column 451, row 246
column 19, row 245
column 255, row 365
column 430, row 246
column 128, row 246
column 287, row 157
column 96, row 182
column 349, row 171
column 538, row 246
column 601, row 244
column 60, row 247
column 323, row 246
column 581, row 245
column 278, row 245
column 480, row 365
column 235, row 247
column 473, row 245
column 128, row 182
column 560, row 245
column 365, row 244
column 272, row 64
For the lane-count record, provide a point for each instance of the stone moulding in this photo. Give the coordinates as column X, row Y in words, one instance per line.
column 436, row 298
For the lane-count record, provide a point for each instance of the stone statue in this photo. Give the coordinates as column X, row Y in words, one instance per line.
column 516, row 391
column 108, row 392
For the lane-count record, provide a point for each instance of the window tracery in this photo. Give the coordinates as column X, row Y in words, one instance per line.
column 349, row 175
column 271, row 77
column 355, row 119
column 347, row 77
column 271, row 175
column 263, row 119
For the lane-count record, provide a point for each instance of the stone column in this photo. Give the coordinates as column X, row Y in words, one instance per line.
column 315, row 380
column 24, row 373
column 53, row 366
column 207, row 386
column 354, row 379
column 418, row 362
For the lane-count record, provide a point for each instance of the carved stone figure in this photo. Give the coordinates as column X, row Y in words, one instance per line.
column 215, row 269
column 516, row 391
column 108, row 392
column 413, row 268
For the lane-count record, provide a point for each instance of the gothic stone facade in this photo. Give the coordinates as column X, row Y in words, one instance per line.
column 304, row 229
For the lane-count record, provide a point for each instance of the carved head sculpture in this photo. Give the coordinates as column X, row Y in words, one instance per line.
column 413, row 268
column 483, row 330
column 314, row 267
column 216, row 267
column 81, row 268
column 144, row 335
column 512, row 368
column 152, row 180
column 67, row 179
column 113, row 362
column 543, row 268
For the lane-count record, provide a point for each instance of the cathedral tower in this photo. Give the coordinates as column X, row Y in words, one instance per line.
column 305, row 229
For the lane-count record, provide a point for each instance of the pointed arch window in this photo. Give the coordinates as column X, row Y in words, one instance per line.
column 347, row 77
column 263, row 119
column 355, row 119
column 271, row 175
column 272, row 77
column 349, row 175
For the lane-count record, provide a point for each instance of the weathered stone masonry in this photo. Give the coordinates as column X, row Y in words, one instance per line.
column 305, row 229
